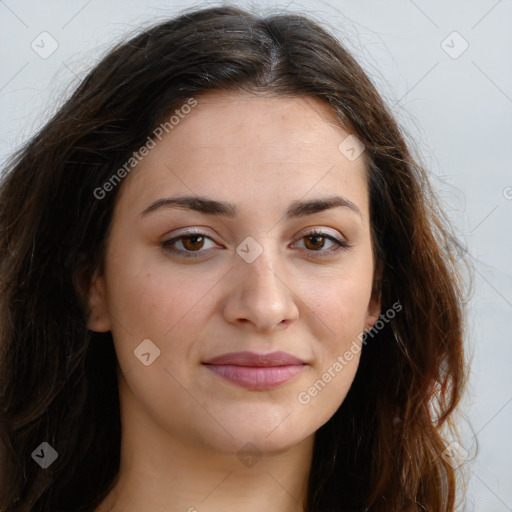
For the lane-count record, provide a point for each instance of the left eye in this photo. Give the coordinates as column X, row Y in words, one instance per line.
column 193, row 243
column 315, row 236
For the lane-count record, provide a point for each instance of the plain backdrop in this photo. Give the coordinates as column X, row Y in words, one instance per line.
column 444, row 67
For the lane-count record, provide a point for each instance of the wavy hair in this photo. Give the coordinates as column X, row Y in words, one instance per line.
column 381, row 451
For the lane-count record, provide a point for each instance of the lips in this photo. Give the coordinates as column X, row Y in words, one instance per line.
column 255, row 359
column 255, row 371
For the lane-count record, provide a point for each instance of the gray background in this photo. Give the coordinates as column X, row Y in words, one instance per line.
column 458, row 112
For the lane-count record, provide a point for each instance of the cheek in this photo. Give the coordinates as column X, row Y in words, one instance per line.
column 342, row 309
column 153, row 303
column 169, row 309
column 159, row 303
column 340, row 301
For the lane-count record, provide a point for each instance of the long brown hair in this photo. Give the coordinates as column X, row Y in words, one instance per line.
column 381, row 451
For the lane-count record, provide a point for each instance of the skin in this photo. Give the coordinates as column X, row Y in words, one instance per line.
column 183, row 426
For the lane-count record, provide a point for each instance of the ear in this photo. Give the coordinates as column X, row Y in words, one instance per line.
column 99, row 317
column 374, row 305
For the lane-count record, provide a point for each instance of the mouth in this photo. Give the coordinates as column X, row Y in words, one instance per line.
column 255, row 371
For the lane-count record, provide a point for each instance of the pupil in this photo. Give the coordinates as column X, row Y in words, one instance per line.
column 194, row 240
column 317, row 238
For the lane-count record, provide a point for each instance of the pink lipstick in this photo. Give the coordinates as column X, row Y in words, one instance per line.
column 256, row 371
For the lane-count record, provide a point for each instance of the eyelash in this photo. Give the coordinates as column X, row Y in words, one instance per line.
column 342, row 244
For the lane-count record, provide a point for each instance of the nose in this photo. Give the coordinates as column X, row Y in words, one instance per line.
column 260, row 295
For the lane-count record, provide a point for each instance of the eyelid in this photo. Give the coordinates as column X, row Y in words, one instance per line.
column 166, row 244
column 341, row 242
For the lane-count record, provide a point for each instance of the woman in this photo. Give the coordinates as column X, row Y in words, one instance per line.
column 226, row 285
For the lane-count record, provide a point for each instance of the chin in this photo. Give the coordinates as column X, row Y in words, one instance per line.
column 271, row 431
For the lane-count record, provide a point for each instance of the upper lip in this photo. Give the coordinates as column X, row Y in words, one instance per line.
column 254, row 359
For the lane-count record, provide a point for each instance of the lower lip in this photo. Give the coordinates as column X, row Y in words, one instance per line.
column 256, row 377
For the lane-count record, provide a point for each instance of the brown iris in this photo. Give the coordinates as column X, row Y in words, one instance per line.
column 315, row 237
column 193, row 242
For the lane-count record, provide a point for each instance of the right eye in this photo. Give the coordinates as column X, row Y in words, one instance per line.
column 191, row 242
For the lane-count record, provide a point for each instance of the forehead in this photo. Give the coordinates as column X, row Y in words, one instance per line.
column 233, row 120
column 230, row 144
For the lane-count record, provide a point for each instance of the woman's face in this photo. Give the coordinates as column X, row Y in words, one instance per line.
column 251, row 279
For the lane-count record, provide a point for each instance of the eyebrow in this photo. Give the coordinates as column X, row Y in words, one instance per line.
column 209, row 206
